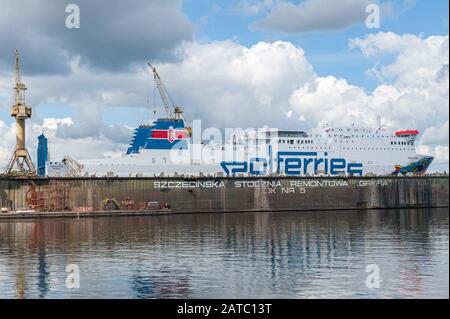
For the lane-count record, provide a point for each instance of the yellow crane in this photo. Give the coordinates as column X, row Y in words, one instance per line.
column 21, row 111
column 167, row 102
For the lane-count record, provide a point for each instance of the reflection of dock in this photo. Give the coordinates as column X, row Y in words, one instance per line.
column 111, row 213
column 283, row 255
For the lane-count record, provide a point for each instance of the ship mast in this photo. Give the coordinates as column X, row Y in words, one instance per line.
column 21, row 159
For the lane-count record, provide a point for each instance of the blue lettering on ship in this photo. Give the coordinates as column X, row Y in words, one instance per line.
column 294, row 164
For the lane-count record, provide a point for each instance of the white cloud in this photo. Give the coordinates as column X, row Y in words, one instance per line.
column 223, row 83
column 325, row 15
column 318, row 15
column 418, row 61
column 83, row 88
column 113, row 35
column 251, row 7
column 227, row 84
column 418, row 96
column 96, row 146
column 436, row 135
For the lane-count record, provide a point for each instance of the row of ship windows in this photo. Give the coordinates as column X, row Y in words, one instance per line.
column 402, row 143
column 362, row 136
column 379, row 148
column 348, row 130
column 348, row 136
column 292, row 142
column 392, row 142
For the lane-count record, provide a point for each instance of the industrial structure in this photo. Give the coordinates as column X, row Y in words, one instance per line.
column 167, row 101
column 20, row 162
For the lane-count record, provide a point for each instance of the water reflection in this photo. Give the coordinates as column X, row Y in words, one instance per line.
column 281, row 255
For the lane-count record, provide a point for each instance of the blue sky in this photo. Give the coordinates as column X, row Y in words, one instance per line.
column 328, row 51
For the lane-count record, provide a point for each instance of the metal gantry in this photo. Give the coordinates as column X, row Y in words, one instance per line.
column 20, row 162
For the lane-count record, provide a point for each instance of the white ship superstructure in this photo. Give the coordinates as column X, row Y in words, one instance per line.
column 331, row 150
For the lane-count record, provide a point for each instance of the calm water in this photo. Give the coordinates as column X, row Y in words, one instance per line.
column 261, row 255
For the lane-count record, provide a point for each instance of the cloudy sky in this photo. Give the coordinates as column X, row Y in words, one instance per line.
column 238, row 63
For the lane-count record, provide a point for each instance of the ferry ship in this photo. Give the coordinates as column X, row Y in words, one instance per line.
column 168, row 147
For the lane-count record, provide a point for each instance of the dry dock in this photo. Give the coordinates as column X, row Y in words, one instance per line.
column 238, row 194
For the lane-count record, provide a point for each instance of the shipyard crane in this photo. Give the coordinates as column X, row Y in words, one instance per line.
column 74, row 167
column 162, row 91
column 21, row 111
column 168, row 104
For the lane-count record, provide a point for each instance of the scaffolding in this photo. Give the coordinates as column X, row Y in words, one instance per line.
column 53, row 197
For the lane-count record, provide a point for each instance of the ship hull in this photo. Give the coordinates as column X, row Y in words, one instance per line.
column 280, row 163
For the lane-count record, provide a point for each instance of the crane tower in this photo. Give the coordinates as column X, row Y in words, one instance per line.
column 167, row 102
column 21, row 159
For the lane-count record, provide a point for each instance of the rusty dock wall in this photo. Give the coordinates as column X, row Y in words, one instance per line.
column 224, row 194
